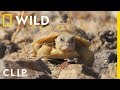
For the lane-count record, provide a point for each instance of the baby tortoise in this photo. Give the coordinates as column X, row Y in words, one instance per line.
column 63, row 41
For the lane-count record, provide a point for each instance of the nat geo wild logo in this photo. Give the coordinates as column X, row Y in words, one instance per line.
column 23, row 19
column 44, row 20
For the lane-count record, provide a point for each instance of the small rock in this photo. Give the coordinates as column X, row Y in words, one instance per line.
column 2, row 67
column 109, row 37
column 90, row 35
column 2, row 50
column 36, row 69
column 104, row 39
column 77, row 71
column 103, row 58
column 96, row 45
column 3, row 34
column 110, row 72
column 12, row 47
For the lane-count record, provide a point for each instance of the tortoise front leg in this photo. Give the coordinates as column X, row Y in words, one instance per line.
column 34, row 49
column 44, row 51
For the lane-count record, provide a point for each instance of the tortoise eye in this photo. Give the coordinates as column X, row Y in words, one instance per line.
column 61, row 39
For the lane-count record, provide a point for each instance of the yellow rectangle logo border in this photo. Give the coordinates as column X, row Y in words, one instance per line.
column 3, row 20
column 118, row 44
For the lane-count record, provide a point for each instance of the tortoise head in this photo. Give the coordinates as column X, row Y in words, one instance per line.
column 65, row 42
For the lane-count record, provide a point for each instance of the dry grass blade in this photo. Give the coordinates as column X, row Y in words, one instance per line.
column 60, row 16
column 70, row 17
column 17, row 30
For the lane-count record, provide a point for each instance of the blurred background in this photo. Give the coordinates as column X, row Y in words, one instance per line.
column 90, row 21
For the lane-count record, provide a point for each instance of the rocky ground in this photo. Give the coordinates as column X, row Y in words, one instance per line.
column 100, row 27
